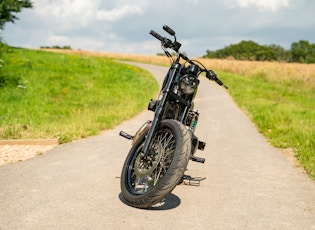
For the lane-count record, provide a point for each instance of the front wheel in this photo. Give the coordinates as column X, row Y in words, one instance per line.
column 147, row 180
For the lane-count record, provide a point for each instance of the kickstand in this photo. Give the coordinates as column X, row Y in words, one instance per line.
column 192, row 181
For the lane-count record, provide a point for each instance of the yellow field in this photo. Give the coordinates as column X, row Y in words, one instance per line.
column 272, row 70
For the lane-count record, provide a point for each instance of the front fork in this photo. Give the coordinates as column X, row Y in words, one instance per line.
column 158, row 111
column 160, row 108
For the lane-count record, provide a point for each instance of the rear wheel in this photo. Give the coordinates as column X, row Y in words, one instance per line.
column 147, row 180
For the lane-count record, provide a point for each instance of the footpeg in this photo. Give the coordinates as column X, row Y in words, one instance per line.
column 192, row 181
column 126, row 135
column 198, row 159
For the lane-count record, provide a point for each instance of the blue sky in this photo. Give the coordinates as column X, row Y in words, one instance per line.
column 122, row 26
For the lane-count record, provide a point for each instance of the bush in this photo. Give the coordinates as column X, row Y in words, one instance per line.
column 6, row 79
column 1, row 61
column 57, row 47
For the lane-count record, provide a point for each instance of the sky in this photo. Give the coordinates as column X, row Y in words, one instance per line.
column 123, row 26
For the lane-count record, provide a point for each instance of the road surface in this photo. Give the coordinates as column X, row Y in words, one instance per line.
column 248, row 185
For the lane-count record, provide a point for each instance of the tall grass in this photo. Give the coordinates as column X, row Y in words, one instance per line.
column 280, row 100
column 68, row 96
column 277, row 71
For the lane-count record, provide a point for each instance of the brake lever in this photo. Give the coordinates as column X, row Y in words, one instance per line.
column 167, row 43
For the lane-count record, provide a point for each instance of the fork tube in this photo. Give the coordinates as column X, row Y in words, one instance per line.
column 160, row 107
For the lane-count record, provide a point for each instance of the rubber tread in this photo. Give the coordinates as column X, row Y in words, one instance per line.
column 173, row 174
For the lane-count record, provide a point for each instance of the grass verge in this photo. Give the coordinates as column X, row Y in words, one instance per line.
column 282, row 109
column 49, row 95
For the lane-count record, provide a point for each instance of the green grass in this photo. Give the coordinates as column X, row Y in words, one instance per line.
column 48, row 95
column 283, row 110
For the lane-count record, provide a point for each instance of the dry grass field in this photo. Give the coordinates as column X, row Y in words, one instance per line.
column 271, row 70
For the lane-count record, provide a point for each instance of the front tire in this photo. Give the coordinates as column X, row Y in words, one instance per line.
column 146, row 181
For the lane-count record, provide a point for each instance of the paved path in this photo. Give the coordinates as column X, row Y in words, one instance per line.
column 249, row 184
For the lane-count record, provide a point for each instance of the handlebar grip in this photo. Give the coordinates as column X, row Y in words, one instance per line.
column 156, row 35
column 217, row 80
column 212, row 76
column 169, row 30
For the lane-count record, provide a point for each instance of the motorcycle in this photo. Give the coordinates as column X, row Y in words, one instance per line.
column 162, row 148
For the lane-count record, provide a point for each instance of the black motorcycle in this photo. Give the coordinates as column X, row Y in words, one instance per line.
column 161, row 148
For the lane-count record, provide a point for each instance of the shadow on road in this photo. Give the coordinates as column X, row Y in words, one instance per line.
column 170, row 202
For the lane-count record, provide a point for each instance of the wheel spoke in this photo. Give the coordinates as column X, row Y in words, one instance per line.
column 147, row 172
column 148, row 178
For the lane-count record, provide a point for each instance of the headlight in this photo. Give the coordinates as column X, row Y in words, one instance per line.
column 188, row 84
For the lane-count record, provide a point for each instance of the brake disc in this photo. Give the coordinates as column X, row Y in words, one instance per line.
column 145, row 165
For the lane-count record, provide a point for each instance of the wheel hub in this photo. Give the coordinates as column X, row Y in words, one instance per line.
column 145, row 165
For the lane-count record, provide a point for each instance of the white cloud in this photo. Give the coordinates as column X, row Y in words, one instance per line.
column 71, row 14
column 66, row 14
column 194, row 2
column 65, row 8
column 118, row 13
column 77, row 42
column 264, row 5
column 123, row 26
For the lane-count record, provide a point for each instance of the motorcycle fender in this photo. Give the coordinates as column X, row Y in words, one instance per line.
column 144, row 128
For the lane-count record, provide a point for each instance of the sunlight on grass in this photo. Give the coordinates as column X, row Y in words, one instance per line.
column 92, row 92
column 69, row 96
column 284, row 112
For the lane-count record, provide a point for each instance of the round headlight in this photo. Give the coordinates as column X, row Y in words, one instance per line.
column 188, row 84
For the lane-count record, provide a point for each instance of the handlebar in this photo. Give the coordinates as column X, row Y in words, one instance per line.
column 167, row 43
column 156, row 35
column 212, row 76
column 169, row 30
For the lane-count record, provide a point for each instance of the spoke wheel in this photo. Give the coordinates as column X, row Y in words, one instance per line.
column 148, row 170
column 146, row 180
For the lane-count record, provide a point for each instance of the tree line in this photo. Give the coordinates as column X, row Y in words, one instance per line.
column 302, row 51
column 57, row 47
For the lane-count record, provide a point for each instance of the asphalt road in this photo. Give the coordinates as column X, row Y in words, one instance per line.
column 248, row 185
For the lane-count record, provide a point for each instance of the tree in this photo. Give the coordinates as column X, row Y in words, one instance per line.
column 244, row 50
column 8, row 9
column 249, row 50
column 303, row 51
